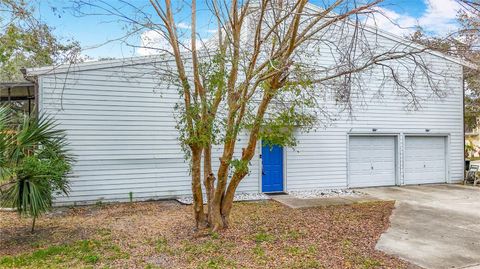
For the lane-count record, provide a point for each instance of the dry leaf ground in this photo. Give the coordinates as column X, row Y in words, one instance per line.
column 161, row 235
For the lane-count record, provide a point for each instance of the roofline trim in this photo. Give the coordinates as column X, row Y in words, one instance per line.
column 94, row 65
column 4, row 85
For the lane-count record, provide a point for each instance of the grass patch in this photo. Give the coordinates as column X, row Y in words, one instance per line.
column 161, row 246
column 294, row 234
column 214, row 235
column 259, row 251
column 204, row 248
column 263, row 236
column 217, row 263
column 80, row 253
column 309, row 263
column 356, row 258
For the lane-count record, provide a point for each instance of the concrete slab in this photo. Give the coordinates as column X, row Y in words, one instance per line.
column 433, row 226
column 362, row 199
column 294, row 202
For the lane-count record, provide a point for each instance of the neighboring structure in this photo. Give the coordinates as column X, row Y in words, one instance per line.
column 119, row 116
column 20, row 95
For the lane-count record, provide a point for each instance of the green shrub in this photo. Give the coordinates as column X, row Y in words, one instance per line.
column 34, row 163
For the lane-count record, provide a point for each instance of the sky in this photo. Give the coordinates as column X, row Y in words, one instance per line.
column 96, row 32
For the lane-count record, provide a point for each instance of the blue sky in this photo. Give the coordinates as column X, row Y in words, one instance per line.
column 435, row 16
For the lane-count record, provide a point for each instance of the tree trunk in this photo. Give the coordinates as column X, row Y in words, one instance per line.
column 33, row 224
column 229, row 196
column 247, row 156
column 208, row 180
column 217, row 220
column 200, row 219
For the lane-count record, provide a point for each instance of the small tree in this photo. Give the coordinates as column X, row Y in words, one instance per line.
column 470, row 149
column 33, row 163
column 264, row 70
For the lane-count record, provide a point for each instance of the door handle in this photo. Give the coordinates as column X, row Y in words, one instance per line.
column 263, row 173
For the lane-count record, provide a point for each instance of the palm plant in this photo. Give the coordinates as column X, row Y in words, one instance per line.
column 34, row 163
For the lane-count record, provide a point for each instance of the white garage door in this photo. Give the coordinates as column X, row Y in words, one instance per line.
column 425, row 160
column 371, row 161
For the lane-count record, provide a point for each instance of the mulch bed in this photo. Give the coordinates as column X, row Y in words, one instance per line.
column 262, row 235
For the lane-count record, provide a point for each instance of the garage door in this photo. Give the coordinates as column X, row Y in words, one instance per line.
column 425, row 160
column 371, row 161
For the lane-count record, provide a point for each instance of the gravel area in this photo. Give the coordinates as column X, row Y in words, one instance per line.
column 320, row 193
column 324, row 193
column 188, row 200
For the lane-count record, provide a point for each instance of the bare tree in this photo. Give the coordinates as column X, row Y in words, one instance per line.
column 265, row 73
column 472, row 5
column 462, row 43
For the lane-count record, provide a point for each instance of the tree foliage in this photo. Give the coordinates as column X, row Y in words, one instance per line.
column 27, row 42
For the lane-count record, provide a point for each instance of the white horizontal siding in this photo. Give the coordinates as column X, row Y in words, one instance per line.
column 319, row 160
column 120, row 125
column 121, row 128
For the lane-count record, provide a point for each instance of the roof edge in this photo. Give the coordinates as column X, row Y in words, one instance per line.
column 93, row 65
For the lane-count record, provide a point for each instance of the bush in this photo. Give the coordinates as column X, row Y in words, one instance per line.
column 34, row 163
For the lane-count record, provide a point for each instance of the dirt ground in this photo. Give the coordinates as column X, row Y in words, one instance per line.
column 161, row 235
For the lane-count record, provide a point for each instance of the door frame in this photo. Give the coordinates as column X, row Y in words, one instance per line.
column 260, row 168
column 446, row 137
column 397, row 149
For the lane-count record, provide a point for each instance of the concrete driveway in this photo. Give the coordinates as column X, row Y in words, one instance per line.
column 433, row 226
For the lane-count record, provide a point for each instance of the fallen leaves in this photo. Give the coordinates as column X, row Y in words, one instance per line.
column 262, row 235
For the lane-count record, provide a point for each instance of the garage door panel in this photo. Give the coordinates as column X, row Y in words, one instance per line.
column 434, row 164
column 427, row 165
column 425, row 160
column 380, row 154
column 357, row 155
column 431, row 178
column 384, row 166
column 360, row 166
column 420, row 154
column 371, row 161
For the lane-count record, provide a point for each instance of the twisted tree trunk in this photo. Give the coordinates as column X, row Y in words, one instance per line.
column 199, row 214
column 220, row 197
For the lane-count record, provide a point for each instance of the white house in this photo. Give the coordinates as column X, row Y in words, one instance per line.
column 119, row 117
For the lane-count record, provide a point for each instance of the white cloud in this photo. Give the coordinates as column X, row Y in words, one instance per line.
column 152, row 42
column 439, row 18
column 184, row 26
column 391, row 21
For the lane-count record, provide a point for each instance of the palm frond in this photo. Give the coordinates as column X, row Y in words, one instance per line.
column 29, row 197
column 34, row 163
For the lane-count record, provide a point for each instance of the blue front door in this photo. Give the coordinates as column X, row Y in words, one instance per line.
column 272, row 168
